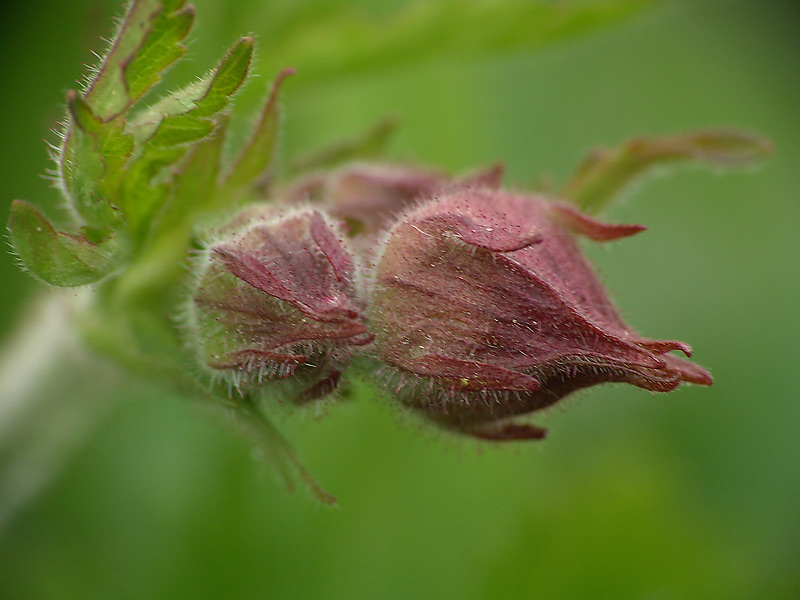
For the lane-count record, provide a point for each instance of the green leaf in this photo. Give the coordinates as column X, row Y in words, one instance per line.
column 256, row 159
column 147, row 42
column 62, row 259
column 194, row 188
column 215, row 92
column 181, row 129
column 605, row 173
column 140, row 196
column 161, row 48
column 191, row 109
column 226, row 79
column 92, row 163
column 190, row 116
column 145, row 123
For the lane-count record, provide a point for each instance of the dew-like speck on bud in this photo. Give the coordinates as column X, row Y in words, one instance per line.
column 485, row 309
column 276, row 299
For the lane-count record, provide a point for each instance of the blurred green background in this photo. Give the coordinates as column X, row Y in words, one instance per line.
column 691, row 495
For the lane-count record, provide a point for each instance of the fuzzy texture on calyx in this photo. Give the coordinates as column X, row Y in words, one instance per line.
column 484, row 309
column 275, row 298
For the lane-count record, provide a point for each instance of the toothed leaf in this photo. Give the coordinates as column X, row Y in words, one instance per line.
column 59, row 258
column 161, row 48
column 92, row 163
column 184, row 116
column 223, row 82
column 145, row 123
column 194, row 185
column 173, row 134
column 227, row 78
column 605, row 172
column 181, row 129
column 147, row 42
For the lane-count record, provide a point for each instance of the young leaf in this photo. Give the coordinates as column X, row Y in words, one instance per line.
column 62, row 259
column 605, row 172
column 140, row 197
column 194, row 186
column 192, row 117
column 256, row 159
column 92, row 163
column 161, row 48
column 147, row 42
column 145, row 123
column 182, row 116
column 216, row 91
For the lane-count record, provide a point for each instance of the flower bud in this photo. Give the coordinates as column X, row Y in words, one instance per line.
column 367, row 197
column 485, row 309
column 276, row 299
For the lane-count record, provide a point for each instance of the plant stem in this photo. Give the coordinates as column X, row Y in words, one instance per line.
column 277, row 450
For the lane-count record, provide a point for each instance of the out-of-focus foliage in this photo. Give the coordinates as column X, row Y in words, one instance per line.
column 633, row 496
column 605, row 173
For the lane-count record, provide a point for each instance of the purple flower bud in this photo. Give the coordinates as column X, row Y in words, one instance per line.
column 367, row 197
column 485, row 309
column 276, row 298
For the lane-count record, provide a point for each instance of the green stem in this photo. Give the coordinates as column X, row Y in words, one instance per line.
column 277, row 450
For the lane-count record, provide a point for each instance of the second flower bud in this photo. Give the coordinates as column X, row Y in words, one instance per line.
column 275, row 298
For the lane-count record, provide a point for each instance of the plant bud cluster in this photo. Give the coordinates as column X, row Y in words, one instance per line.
column 470, row 304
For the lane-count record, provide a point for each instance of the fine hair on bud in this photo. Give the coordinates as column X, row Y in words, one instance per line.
column 275, row 298
column 487, row 309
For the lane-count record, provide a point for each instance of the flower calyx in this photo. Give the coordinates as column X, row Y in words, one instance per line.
column 276, row 298
column 485, row 309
